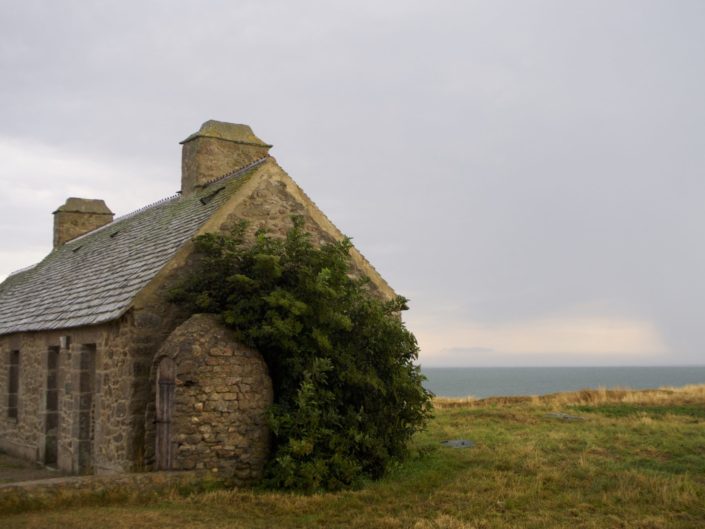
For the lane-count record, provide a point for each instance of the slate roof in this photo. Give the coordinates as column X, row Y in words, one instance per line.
column 94, row 278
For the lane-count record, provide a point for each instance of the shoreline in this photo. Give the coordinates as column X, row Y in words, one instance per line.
column 523, row 381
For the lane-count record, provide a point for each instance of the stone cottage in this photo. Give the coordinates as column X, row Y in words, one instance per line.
column 99, row 372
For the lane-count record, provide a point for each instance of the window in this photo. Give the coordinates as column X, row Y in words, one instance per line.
column 13, row 385
column 86, row 388
column 51, row 421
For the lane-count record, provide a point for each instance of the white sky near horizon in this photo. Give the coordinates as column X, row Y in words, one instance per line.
column 529, row 173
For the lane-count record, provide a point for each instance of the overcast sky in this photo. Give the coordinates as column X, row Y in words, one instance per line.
column 530, row 173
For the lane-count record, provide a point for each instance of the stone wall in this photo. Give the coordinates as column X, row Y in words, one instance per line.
column 152, row 322
column 107, row 377
column 125, row 351
column 270, row 206
column 275, row 199
column 78, row 216
column 121, row 392
column 112, row 391
column 222, row 395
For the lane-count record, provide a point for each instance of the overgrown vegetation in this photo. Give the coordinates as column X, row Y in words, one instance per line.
column 527, row 470
column 348, row 397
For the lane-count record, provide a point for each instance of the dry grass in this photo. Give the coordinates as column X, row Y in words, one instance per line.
column 685, row 394
column 635, row 461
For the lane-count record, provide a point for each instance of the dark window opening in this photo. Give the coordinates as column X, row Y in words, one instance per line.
column 86, row 411
column 51, row 425
column 208, row 198
column 13, row 385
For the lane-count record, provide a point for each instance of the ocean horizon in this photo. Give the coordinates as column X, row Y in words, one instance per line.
column 514, row 381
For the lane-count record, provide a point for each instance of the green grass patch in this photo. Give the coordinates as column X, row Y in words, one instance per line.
column 526, row 470
column 654, row 411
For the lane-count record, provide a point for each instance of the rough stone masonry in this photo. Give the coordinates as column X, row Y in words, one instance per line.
column 100, row 373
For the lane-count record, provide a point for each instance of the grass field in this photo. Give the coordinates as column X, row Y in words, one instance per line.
column 632, row 460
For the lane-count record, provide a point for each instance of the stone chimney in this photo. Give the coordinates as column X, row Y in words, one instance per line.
column 78, row 216
column 217, row 149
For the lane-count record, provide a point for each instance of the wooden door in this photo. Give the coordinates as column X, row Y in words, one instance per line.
column 166, row 377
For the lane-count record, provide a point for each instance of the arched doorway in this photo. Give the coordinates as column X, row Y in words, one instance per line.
column 166, row 378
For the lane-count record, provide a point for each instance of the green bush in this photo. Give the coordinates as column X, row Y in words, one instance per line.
column 347, row 395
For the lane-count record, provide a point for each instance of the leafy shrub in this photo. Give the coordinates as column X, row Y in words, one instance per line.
column 347, row 395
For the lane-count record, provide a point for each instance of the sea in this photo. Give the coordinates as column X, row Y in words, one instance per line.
column 505, row 381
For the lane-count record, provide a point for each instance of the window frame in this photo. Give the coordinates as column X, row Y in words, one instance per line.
column 13, row 385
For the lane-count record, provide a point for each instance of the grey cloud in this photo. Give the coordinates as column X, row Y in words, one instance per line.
column 512, row 158
column 466, row 350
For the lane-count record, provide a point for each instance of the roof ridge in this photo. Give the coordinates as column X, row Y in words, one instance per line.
column 125, row 217
column 237, row 172
column 24, row 269
column 143, row 208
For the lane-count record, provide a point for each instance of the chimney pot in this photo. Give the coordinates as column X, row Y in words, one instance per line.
column 78, row 216
column 217, row 149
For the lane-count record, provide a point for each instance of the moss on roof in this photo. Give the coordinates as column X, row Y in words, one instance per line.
column 85, row 205
column 95, row 277
column 227, row 131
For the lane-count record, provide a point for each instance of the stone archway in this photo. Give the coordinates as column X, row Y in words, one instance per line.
column 212, row 397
